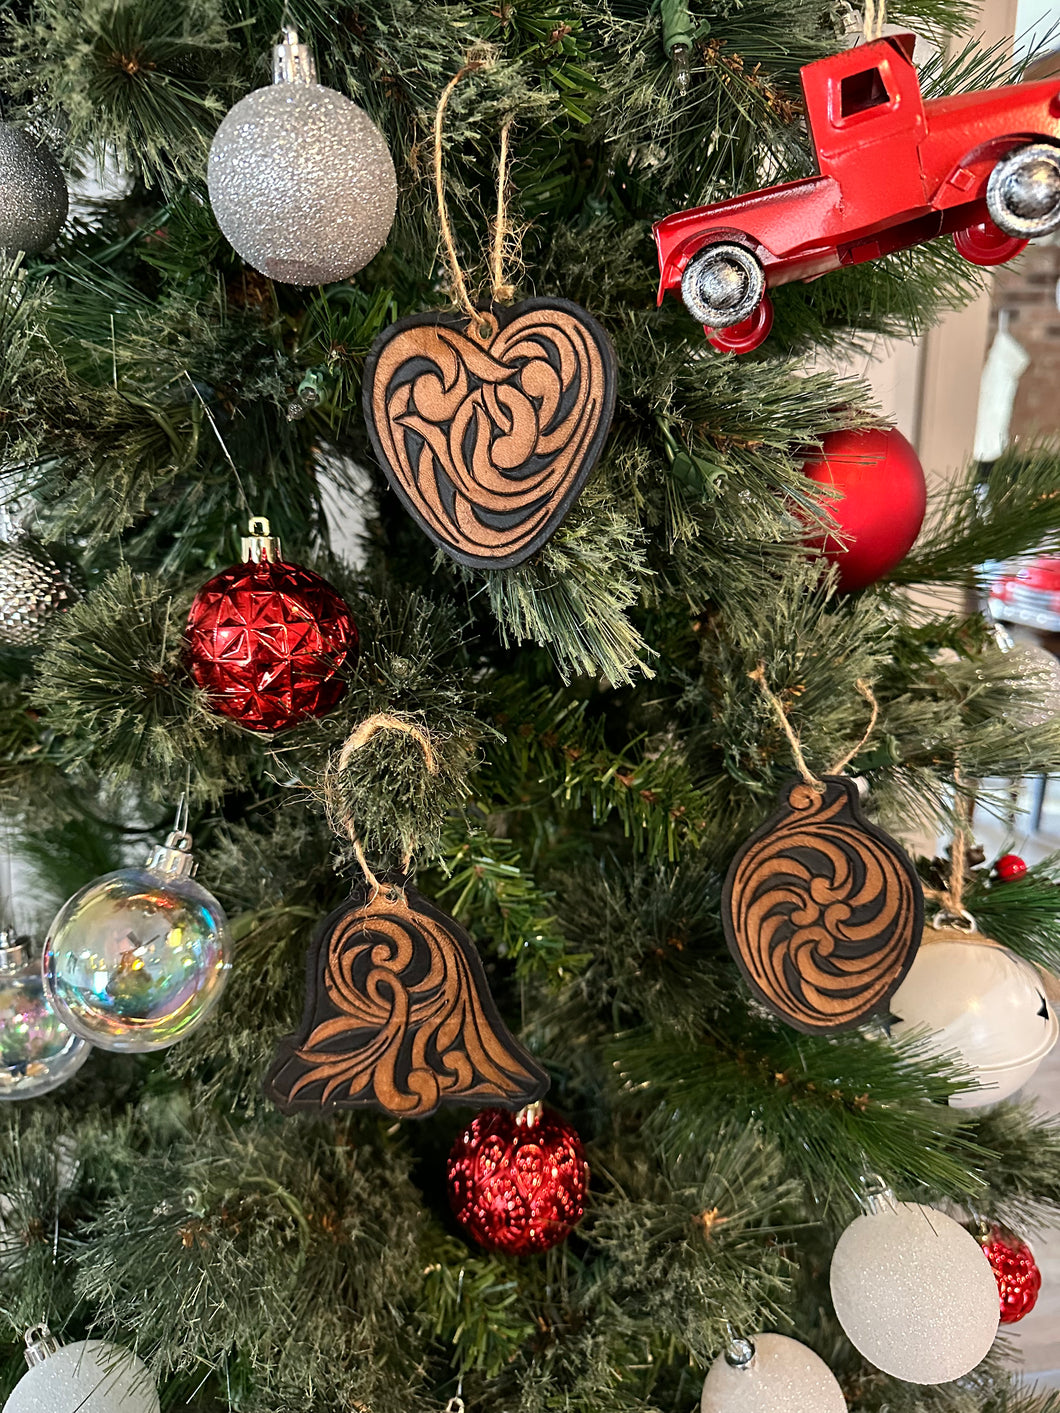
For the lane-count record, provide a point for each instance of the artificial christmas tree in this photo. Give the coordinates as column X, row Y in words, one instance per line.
column 578, row 742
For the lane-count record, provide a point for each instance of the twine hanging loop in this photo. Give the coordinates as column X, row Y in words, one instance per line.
column 758, row 676
column 481, row 322
column 338, row 816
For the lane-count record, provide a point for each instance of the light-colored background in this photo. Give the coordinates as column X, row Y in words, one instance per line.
column 930, row 389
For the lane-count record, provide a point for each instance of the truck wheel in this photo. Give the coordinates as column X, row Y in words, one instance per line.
column 1023, row 191
column 722, row 285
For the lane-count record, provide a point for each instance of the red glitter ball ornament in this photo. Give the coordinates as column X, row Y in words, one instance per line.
column 1016, row 1271
column 1010, row 866
column 265, row 639
column 517, row 1181
column 881, row 508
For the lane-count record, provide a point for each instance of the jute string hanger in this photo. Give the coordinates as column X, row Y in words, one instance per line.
column 758, row 676
column 341, row 820
column 481, row 322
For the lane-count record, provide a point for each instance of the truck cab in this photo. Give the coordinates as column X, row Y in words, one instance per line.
column 866, row 119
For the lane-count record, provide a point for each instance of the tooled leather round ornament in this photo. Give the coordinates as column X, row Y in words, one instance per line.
column 266, row 641
column 487, row 434
column 822, row 910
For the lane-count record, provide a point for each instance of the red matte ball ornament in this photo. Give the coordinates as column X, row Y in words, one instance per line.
column 881, row 509
column 1016, row 1271
column 1010, row 866
column 517, row 1182
column 266, row 639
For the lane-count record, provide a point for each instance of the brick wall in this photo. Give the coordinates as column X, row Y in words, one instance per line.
column 1027, row 289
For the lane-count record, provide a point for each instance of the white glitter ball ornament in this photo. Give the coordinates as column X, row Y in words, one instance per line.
column 301, row 181
column 771, row 1374
column 90, row 1376
column 914, row 1292
column 33, row 195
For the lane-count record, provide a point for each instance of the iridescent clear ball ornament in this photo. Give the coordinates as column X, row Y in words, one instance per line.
column 34, row 589
column 771, row 1374
column 90, row 1376
column 301, row 180
column 139, row 958
column 33, row 195
column 37, row 1052
column 913, row 1291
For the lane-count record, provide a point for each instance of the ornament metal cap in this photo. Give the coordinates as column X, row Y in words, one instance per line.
column 875, row 1196
column 12, row 952
column 40, row 1343
column 174, row 857
column 292, row 61
column 260, row 543
column 740, row 1353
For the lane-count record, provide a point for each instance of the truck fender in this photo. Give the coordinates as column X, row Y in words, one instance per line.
column 980, row 160
column 672, row 268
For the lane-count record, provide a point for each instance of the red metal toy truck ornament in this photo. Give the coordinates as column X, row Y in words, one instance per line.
column 894, row 171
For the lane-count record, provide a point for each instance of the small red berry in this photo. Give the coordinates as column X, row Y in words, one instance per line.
column 1010, row 866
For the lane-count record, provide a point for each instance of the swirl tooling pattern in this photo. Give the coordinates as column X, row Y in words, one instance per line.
column 399, row 1017
column 822, row 910
column 487, row 441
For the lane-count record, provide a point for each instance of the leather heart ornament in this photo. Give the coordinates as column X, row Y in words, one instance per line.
column 488, row 433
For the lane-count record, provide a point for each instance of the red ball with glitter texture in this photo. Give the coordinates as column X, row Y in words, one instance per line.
column 266, row 640
column 517, row 1182
column 1010, row 866
column 1016, row 1271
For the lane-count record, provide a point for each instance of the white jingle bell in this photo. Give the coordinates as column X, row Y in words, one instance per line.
column 771, row 1374
column 980, row 1003
column 89, row 1376
column 913, row 1290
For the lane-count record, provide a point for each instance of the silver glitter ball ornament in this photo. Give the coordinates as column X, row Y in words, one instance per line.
column 34, row 587
column 90, row 1376
column 302, row 182
column 33, row 195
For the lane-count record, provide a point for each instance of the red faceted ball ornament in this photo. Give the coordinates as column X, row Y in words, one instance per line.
column 266, row 639
column 517, row 1181
column 881, row 509
column 1016, row 1272
column 1010, row 866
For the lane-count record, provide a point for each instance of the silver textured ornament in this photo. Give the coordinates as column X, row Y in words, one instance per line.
column 301, row 181
column 90, row 1376
column 33, row 196
column 34, row 587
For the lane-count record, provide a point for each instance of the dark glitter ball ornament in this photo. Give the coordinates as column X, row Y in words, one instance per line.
column 266, row 639
column 1015, row 1270
column 517, row 1182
